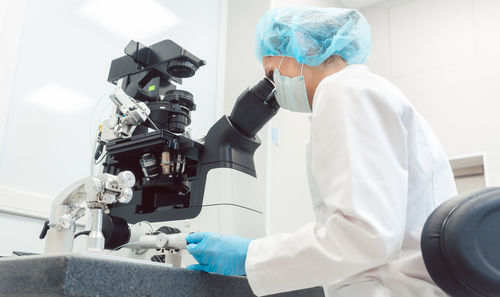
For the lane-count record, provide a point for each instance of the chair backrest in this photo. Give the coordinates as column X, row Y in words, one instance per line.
column 461, row 244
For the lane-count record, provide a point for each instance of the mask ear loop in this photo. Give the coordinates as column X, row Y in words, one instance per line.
column 301, row 68
column 279, row 66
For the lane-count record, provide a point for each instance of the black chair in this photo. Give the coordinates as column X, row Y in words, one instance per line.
column 461, row 244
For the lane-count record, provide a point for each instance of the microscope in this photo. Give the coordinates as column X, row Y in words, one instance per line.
column 153, row 171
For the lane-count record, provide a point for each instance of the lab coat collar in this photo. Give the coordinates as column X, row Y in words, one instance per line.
column 353, row 67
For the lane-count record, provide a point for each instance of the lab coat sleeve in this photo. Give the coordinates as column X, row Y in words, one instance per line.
column 359, row 171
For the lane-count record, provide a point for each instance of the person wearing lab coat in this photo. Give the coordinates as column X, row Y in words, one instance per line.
column 376, row 169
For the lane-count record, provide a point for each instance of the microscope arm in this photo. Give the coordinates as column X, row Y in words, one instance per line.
column 59, row 234
column 232, row 141
column 158, row 240
column 95, row 193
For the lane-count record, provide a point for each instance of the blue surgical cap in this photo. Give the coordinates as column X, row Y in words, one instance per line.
column 313, row 34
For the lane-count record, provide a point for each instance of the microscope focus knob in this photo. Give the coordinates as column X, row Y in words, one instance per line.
column 126, row 179
column 126, row 196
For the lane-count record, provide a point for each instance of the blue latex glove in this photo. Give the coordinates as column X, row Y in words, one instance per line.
column 222, row 254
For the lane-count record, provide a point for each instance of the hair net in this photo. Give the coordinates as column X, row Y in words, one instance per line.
column 313, row 34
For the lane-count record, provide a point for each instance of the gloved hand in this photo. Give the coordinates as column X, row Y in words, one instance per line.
column 222, row 254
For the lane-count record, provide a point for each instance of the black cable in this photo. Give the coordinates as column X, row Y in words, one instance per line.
column 102, row 158
column 81, row 233
column 123, row 245
column 17, row 253
column 228, row 204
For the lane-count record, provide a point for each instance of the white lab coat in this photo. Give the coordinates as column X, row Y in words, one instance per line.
column 376, row 171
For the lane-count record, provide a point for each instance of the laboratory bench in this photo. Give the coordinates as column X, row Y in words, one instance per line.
column 82, row 275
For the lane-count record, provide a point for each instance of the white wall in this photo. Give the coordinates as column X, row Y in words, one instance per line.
column 12, row 227
column 241, row 70
column 290, row 204
column 11, row 23
column 281, row 189
column 63, row 63
column 235, row 67
column 60, row 74
column 320, row 3
column 443, row 54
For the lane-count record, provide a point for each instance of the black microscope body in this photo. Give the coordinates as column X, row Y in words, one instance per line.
column 171, row 168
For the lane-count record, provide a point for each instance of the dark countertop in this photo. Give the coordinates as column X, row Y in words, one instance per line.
column 86, row 275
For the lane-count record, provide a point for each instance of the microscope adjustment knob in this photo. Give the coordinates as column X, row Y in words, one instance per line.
column 183, row 69
column 126, row 179
column 126, row 196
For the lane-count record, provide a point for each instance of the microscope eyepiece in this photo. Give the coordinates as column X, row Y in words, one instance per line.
column 254, row 108
column 263, row 88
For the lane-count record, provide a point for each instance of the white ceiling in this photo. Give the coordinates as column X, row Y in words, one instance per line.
column 326, row 3
column 359, row 3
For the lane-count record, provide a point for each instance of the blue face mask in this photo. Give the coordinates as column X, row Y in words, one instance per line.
column 291, row 91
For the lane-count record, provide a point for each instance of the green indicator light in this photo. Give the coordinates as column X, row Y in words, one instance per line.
column 151, row 88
